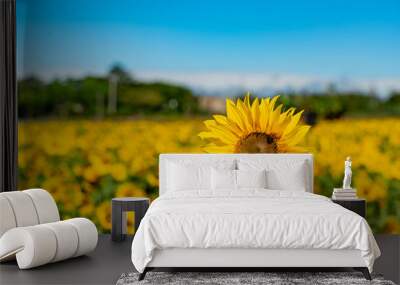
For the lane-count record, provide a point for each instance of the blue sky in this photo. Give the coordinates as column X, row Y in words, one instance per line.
column 325, row 39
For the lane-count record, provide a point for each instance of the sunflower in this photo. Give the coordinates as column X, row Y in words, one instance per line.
column 254, row 127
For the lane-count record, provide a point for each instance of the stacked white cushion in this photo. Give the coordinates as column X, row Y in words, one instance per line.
column 31, row 232
column 45, row 206
column 87, row 235
column 283, row 174
column 24, row 211
column 7, row 220
column 66, row 237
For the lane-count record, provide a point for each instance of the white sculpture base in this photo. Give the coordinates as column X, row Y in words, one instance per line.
column 344, row 190
column 344, row 194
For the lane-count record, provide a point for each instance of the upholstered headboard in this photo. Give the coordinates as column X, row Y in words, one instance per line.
column 164, row 158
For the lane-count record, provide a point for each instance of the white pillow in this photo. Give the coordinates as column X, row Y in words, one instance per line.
column 181, row 178
column 282, row 174
column 223, row 179
column 226, row 179
column 193, row 175
column 251, row 178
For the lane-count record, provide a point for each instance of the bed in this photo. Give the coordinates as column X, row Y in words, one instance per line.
column 246, row 211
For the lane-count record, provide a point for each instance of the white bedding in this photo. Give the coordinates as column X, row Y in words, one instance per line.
column 251, row 218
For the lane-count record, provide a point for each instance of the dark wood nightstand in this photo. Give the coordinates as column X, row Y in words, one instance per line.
column 118, row 214
column 358, row 206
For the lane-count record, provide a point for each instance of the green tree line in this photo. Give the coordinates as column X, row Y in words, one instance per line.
column 90, row 96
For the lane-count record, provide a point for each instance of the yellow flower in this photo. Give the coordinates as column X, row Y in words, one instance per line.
column 129, row 190
column 90, row 174
column 371, row 189
column 103, row 213
column 69, row 157
column 87, row 210
column 118, row 172
column 152, row 179
column 72, row 197
column 256, row 127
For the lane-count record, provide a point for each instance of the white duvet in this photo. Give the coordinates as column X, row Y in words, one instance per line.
column 250, row 219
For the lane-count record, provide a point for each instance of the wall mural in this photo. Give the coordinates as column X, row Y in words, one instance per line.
column 104, row 89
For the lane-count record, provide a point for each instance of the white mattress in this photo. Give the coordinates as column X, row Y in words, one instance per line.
column 252, row 219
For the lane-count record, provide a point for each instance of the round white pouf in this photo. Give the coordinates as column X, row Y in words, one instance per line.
column 40, row 244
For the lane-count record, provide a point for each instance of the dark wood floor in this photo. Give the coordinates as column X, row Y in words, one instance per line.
column 110, row 260
column 103, row 266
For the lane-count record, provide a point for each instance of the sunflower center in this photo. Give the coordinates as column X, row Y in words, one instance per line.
column 258, row 143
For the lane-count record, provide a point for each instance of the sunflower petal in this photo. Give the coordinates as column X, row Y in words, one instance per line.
column 210, row 123
column 255, row 113
column 247, row 100
column 224, row 134
column 208, row 135
column 298, row 135
column 235, row 129
column 286, row 115
column 264, row 114
column 229, row 124
column 246, row 115
column 273, row 119
column 233, row 114
column 293, row 123
column 220, row 119
column 272, row 102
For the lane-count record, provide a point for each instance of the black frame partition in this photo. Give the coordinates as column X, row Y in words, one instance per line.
column 8, row 97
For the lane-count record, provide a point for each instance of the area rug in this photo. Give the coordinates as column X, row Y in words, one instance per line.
column 269, row 278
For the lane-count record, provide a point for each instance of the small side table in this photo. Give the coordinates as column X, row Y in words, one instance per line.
column 118, row 214
column 358, row 206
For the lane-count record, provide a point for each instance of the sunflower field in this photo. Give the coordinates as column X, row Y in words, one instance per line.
column 85, row 163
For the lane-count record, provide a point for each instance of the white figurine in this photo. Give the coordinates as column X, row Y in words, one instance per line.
column 347, row 173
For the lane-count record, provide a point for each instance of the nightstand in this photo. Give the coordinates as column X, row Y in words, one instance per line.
column 118, row 214
column 358, row 206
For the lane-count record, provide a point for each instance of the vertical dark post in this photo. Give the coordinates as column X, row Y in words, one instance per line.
column 8, row 97
column 119, row 208
column 116, row 221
